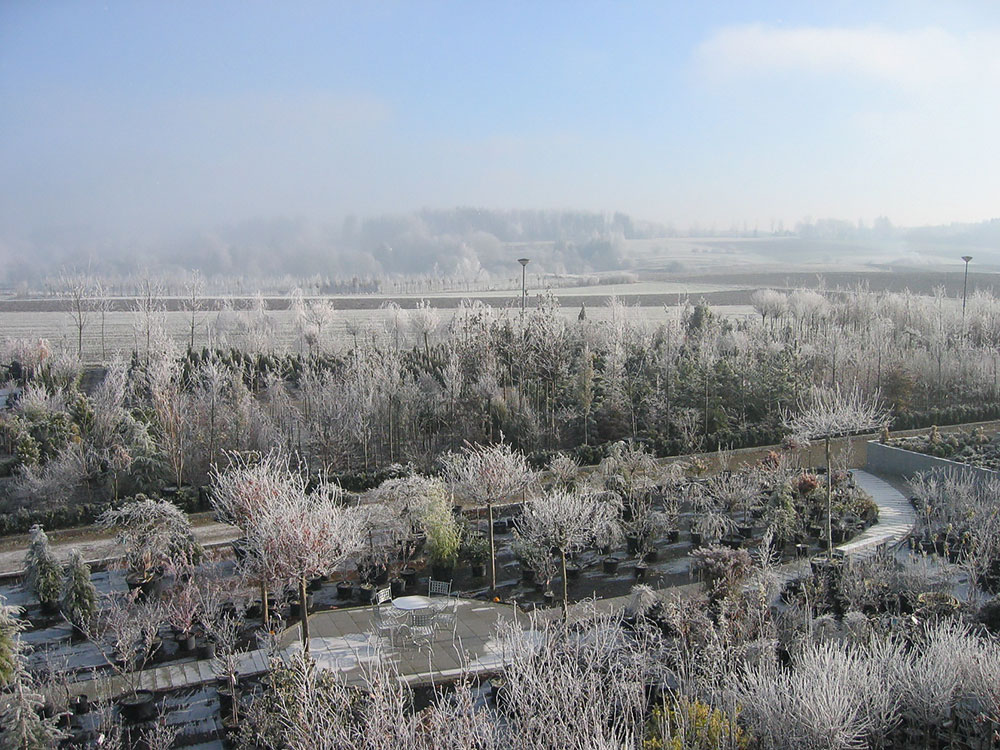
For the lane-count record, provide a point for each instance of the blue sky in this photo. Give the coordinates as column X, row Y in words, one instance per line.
column 127, row 118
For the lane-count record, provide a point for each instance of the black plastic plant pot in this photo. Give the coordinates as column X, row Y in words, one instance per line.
column 640, row 571
column 733, row 541
column 696, row 538
column 206, row 651
column 673, row 535
column 365, row 592
column 225, row 693
column 187, row 642
column 611, row 565
column 573, row 572
column 478, row 570
column 500, row 526
column 746, row 532
column 316, row 584
column 821, row 565
column 651, row 555
column 527, row 575
column 345, row 589
column 409, row 576
column 550, row 597
column 397, row 586
column 138, row 707
column 81, row 705
column 632, row 544
column 231, row 731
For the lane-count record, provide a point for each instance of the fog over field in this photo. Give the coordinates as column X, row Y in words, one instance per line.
column 363, row 145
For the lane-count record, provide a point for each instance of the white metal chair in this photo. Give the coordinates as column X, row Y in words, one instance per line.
column 438, row 588
column 385, row 625
column 447, row 620
column 421, row 627
column 386, row 621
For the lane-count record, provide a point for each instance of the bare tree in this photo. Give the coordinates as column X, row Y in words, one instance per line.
column 103, row 304
column 291, row 535
column 568, row 521
column 305, row 536
column 424, row 321
column 194, row 290
column 487, row 474
column 832, row 413
column 79, row 293
column 149, row 310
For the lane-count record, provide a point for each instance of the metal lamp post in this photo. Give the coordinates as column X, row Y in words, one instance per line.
column 524, row 262
column 965, row 288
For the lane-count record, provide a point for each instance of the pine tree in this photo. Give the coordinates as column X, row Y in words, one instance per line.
column 10, row 626
column 79, row 599
column 21, row 725
column 43, row 574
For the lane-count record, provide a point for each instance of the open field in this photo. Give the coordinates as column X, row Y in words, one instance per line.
column 122, row 334
column 727, row 285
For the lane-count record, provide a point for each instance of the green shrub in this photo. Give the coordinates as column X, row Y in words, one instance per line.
column 693, row 725
column 443, row 533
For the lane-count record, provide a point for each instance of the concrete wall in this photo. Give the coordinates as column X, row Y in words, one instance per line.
column 891, row 461
column 853, row 449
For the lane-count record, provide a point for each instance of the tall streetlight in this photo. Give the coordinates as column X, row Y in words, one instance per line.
column 524, row 262
column 965, row 289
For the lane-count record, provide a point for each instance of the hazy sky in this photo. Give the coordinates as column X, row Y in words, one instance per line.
column 133, row 117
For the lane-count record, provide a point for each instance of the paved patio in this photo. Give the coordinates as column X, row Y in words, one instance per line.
column 346, row 640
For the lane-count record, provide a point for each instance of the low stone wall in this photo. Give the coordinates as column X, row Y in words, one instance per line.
column 899, row 462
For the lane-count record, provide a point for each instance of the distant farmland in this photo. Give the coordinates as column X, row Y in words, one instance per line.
column 354, row 316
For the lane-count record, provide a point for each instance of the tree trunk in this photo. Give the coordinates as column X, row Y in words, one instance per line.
column 304, row 614
column 265, row 609
column 493, row 550
column 565, row 597
column 829, row 501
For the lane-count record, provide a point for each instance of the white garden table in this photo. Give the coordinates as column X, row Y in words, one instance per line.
column 412, row 603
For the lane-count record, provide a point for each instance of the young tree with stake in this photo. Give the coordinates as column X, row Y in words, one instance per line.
column 487, row 474
column 831, row 413
column 568, row 521
column 302, row 536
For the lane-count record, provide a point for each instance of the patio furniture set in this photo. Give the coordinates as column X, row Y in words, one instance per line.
column 415, row 620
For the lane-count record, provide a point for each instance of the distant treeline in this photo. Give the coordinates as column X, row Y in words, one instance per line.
column 461, row 243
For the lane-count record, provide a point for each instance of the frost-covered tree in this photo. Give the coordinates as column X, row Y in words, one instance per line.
column 79, row 595
column 78, row 290
column 10, row 627
column 42, row 572
column 830, row 413
column 303, row 535
column 487, row 474
column 155, row 535
column 22, row 726
column 568, row 521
